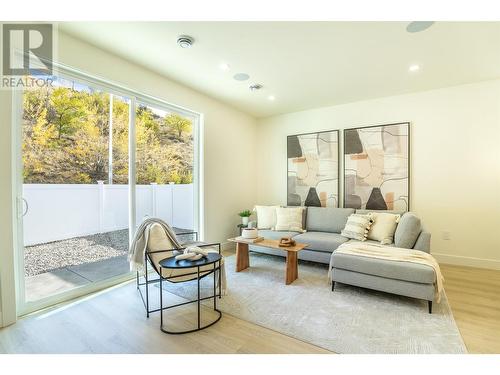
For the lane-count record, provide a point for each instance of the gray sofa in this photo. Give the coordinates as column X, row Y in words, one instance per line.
column 323, row 236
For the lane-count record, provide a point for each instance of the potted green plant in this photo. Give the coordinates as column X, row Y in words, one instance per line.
column 244, row 216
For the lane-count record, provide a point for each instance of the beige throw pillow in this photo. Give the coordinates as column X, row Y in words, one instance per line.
column 289, row 219
column 266, row 216
column 158, row 240
column 357, row 227
column 383, row 227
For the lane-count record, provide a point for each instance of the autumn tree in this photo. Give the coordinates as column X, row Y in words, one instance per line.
column 66, row 139
column 178, row 123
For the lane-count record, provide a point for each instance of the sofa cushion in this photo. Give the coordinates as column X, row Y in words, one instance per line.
column 357, row 226
column 275, row 234
column 327, row 219
column 370, row 241
column 364, row 212
column 383, row 227
column 266, row 216
column 304, row 215
column 408, row 230
column 321, row 241
column 418, row 273
column 289, row 219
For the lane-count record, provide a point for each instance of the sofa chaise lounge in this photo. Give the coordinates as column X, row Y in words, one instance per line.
column 323, row 227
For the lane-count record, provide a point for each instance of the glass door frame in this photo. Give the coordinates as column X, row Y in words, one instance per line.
column 62, row 71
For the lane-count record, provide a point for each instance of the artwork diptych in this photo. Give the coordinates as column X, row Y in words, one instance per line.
column 313, row 169
column 376, row 167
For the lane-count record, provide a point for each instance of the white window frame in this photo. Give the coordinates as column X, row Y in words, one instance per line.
column 65, row 72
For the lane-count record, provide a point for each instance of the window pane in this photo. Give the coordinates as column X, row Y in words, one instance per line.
column 164, row 147
column 75, row 229
column 164, row 161
column 65, row 134
column 120, row 140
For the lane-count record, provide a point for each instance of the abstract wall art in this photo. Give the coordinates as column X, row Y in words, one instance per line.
column 313, row 169
column 376, row 167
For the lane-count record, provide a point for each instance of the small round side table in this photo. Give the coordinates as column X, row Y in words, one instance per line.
column 173, row 264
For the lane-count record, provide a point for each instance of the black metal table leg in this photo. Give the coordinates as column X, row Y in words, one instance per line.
column 199, row 322
column 215, row 297
column 147, row 287
column 161, row 299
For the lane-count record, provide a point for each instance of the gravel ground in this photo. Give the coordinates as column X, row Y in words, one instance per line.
column 73, row 251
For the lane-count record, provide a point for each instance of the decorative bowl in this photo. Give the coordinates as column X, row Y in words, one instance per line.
column 249, row 233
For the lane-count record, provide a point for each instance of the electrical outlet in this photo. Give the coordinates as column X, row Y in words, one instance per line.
column 446, row 235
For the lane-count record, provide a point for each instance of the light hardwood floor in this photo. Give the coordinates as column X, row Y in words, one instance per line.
column 474, row 297
column 99, row 323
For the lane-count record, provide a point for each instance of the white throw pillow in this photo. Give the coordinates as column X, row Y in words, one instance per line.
column 158, row 240
column 266, row 216
column 383, row 227
column 357, row 227
column 289, row 218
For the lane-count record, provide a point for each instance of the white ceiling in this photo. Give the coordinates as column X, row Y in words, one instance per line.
column 303, row 64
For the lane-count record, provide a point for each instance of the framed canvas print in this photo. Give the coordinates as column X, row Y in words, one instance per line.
column 313, row 169
column 377, row 167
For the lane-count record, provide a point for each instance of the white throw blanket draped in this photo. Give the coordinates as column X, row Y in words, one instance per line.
column 396, row 254
column 140, row 243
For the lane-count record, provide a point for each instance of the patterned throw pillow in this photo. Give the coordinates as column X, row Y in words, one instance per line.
column 289, row 218
column 357, row 227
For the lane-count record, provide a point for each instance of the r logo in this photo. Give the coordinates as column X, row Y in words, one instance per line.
column 33, row 43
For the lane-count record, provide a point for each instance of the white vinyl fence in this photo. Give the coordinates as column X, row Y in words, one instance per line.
column 56, row 212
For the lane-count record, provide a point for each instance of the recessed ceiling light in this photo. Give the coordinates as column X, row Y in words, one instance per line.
column 185, row 41
column 241, row 76
column 418, row 26
column 414, row 68
column 271, row 98
column 224, row 66
column 255, row 87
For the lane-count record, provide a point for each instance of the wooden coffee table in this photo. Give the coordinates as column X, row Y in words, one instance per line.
column 292, row 268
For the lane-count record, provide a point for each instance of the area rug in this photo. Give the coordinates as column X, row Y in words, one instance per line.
column 348, row 320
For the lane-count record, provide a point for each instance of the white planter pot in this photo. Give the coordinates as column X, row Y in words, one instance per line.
column 249, row 233
column 244, row 220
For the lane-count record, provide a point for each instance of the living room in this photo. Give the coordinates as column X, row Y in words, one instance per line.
column 287, row 185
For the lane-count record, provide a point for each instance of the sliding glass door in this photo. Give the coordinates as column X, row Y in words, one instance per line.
column 94, row 162
column 164, row 167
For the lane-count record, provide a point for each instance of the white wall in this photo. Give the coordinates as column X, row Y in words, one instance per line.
column 229, row 142
column 455, row 161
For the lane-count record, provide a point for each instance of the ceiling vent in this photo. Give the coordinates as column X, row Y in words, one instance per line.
column 255, row 87
column 185, row 41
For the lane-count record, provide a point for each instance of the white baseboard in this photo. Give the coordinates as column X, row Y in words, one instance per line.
column 458, row 260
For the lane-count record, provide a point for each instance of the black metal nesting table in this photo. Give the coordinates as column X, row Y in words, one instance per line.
column 173, row 264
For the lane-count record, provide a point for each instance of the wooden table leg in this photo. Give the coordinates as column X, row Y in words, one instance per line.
column 292, row 267
column 242, row 258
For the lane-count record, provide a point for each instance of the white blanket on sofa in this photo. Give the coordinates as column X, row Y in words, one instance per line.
column 396, row 254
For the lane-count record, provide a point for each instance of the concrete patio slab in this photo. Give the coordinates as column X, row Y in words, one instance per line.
column 53, row 282
column 103, row 269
